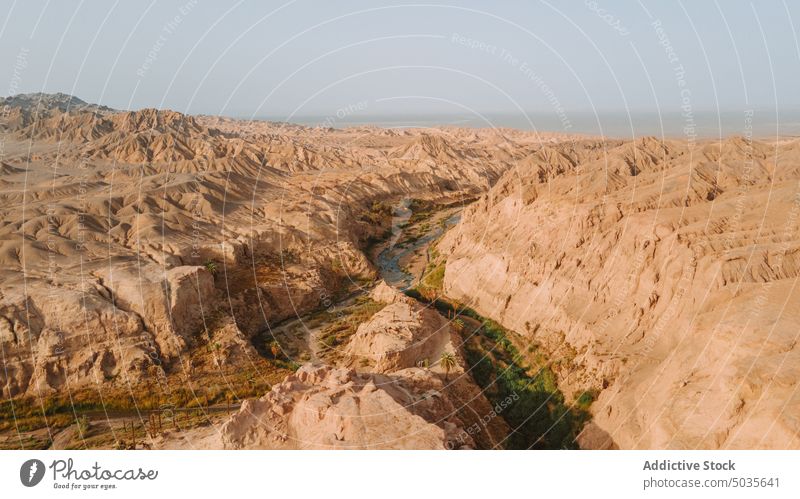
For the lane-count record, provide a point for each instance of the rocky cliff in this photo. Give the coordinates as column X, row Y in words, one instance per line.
column 660, row 276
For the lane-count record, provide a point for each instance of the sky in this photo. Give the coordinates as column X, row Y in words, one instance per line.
column 359, row 60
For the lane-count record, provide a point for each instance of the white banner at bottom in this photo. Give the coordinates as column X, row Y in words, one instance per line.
column 389, row 474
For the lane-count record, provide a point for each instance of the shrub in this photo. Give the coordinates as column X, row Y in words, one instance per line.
column 585, row 399
column 82, row 423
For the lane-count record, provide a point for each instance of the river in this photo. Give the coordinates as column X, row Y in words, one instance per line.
column 400, row 261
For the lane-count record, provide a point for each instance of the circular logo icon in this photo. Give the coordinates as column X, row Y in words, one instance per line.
column 31, row 472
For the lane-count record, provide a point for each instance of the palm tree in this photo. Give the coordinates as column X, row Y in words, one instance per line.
column 448, row 362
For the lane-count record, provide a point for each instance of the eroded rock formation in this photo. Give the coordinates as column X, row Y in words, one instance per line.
column 661, row 276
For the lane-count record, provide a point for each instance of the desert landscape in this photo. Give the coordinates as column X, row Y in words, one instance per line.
column 172, row 281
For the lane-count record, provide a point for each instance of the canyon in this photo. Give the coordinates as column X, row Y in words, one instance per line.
column 391, row 288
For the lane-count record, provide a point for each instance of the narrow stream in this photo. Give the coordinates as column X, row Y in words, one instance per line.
column 400, row 262
column 390, row 260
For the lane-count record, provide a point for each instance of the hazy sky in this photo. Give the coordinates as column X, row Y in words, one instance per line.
column 303, row 57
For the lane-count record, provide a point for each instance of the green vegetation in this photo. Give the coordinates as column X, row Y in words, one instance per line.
column 28, row 419
column 538, row 415
column 448, row 362
column 434, row 277
column 432, row 281
column 288, row 365
column 585, row 400
column 422, row 210
column 27, row 442
column 417, row 225
column 378, row 213
column 60, row 411
column 83, row 425
column 275, row 349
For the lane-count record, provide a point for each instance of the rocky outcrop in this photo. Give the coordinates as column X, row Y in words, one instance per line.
column 173, row 304
column 660, row 276
column 112, row 329
column 68, row 340
column 322, row 407
column 403, row 334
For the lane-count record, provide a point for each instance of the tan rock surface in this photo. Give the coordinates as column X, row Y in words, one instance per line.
column 66, row 339
column 324, row 407
column 170, row 302
column 403, row 334
column 660, row 275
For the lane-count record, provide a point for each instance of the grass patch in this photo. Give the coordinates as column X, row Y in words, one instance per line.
column 432, row 282
column 433, row 278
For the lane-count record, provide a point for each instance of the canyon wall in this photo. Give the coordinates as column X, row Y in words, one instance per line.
column 660, row 276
